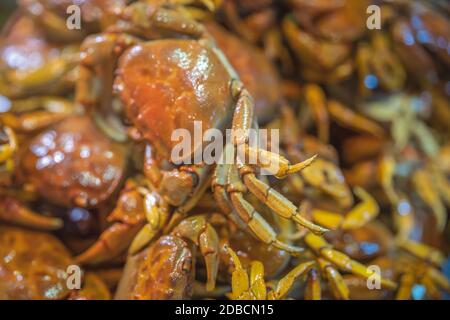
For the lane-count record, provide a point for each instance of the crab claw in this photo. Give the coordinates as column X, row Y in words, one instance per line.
column 128, row 218
column 111, row 243
column 202, row 234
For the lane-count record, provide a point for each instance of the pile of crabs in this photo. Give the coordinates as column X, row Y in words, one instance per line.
column 357, row 208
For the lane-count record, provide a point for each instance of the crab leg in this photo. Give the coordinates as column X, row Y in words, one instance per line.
column 438, row 278
column 427, row 191
column 111, row 243
column 363, row 212
column 32, row 82
column 313, row 289
column 266, row 160
column 276, row 201
column 386, row 170
column 405, row 287
column 54, row 110
column 7, row 150
column 336, row 282
column 203, row 235
column 422, row 251
column 257, row 283
column 240, row 283
column 357, row 217
column 250, row 216
column 219, row 185
column 325, row 250
column 13, row 211
column 347, row 118
column 316, row 101
column 157, row 216
column 287, row 281
column 135, row 204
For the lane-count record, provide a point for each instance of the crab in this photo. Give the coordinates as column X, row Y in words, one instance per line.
column 148, row 97
column 73, row 164
column 69, row 164
column 30, row 64
column 34, row 265
column 421, row 267
column 166, row 269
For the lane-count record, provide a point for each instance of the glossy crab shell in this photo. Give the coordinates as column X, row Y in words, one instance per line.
column 168, row 84
column 73, row 163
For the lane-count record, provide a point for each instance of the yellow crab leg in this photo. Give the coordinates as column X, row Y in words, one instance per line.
column 344, row 262
column 257, row 282
column 422, row 251
column 313, row 289
column 7, row 150
column 335, row 281
column 330, row 220
column 405, row 287
column 240, row 283
column 357, row 217
column 316, row 102
column 287, row 281
column 276, row 201
column 13, row 211
column 438, row 278
column 442, row 185
column 386, row 170
column 425, row 187
column 431, row 287
column 157, row 217
column 363, row 212
column 268, row 160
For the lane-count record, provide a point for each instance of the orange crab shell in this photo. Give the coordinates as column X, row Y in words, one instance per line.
column 73, row 163
column 32, row 265
column 168, row 84
column 163, row 271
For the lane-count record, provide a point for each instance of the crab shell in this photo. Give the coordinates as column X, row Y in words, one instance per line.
column 73, row 163
column 32, row 265
column 168, row 84
column 163, row 271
